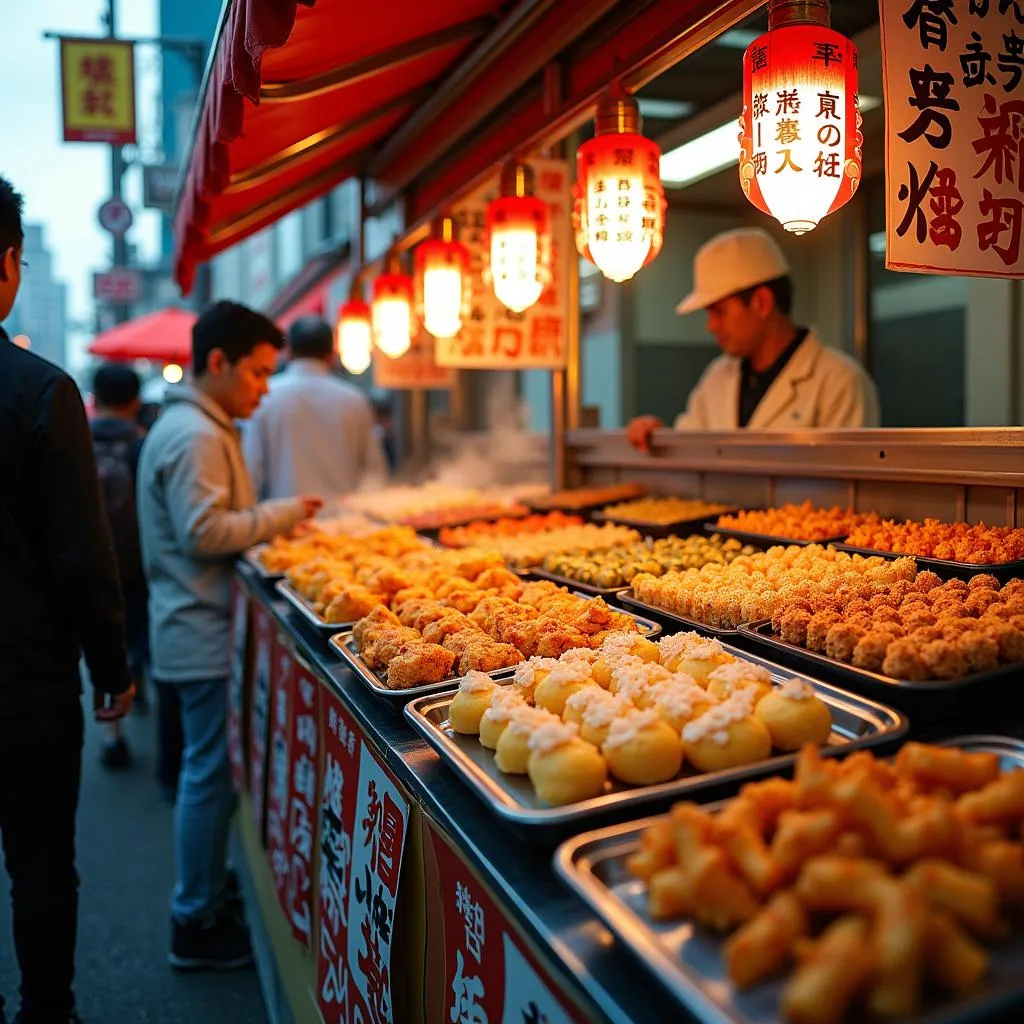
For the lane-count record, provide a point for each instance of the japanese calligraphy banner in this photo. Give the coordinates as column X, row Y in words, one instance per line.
column 303, row 743
column 282, row 675
column 417, row 370
column 98, row 88
column 493, row 337
column 490, row 977
column 954, row 110
column 259, row 712
column 238, row 680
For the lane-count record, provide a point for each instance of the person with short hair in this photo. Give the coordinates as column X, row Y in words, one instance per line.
column 197, row 512
column 315, row 432
column 116, row 442
column 773, row 374
column 63, row 600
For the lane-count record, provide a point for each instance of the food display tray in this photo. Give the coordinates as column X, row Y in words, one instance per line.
column 583, row 588
column 251, row 558
column 297, row 601
column 857, row 723
column 627, row 600
column 676, row 528
column 767, row 540
column 922, row 700
column 947, row 570
column 686, row 959
column 344, row 643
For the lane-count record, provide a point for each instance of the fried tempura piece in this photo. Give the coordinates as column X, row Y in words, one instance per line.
column 947, row 767
column 379, row 616
column 999, row 860
column 953, row 960
column 418, row 665
column 657, row 851
column 764, row 944
column 839, row 883
column 897, row 941
column 751, row 855
column 801, row 835
column 999, row 801
column 972, row 899
column 720, row 899
column 668, row 893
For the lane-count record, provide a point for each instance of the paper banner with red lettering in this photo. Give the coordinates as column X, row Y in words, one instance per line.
column 493, row 337
column 237, row 680
column 259, row 712
column 302, row 795
column 490, row 976
column 278, row 765
column 954, row 112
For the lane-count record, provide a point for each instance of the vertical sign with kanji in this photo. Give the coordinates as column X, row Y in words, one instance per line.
column 237, row 679
column 339, row 790
column 98, row 88
column 259, row 716
column 954, row 110
column 302, row 795
column 493, row 337
column 278, row 765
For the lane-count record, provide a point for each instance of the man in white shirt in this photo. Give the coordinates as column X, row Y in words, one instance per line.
column 313, row 434
column 773, row 375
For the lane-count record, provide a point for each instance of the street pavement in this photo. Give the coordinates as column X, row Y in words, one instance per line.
column 125, row 860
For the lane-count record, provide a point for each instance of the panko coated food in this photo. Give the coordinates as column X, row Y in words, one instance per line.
column 976, row 544
column 798, row 522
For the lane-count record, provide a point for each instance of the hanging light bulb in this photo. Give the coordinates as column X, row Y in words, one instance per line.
column 619, row 202
column 392, row 310
column 354, row 337
column 800, row 139
column 442, row 279
column 519, row 233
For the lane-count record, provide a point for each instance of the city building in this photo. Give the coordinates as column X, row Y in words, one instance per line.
column 40, row 311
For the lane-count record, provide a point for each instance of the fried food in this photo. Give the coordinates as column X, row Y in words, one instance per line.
column 957, row 542
column 798, row 522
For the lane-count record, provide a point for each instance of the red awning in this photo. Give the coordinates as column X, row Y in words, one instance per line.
column 164, row 337
column 350, row 74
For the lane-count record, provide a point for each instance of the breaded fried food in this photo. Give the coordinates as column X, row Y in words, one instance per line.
column 454, row 622
column 487, row 655
column 418, row 665
column 385, row 644
column 379, row 616
column 352, row 603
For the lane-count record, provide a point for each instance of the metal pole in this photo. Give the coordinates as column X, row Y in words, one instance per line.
column 120, row 253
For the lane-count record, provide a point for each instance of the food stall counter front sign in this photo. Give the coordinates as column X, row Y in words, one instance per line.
column 954, row 111
column 493, row 337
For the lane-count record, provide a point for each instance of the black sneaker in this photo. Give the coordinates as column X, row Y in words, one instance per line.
column 221, row 945
column 115, row 754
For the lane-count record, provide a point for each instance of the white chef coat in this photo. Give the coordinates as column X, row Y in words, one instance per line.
column 312, row 434
column 818, row 387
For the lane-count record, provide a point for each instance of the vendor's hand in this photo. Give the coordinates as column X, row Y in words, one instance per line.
column 109, row 707
column 312, row 504
column 639, row 431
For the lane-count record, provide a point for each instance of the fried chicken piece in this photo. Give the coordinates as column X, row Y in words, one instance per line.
column 903, row 661
column 958, row 587
column 384, row 644
column 387, row 579
column 900, row 590
column 983, row 581
column 508, row 584
column 915, row 618
column 818, row 627
column 793, row 626
column 841, row 641
column 379, row 617
column 554, row 638
column 501, row 623
column 980, row 652
column 593, row 617
column 351, row 604
column 884, row 614
column 926, row 635
column 453, row 622
column 429, row 612
column 1009, row 640
column 487, row 655
column 953, row 629
column 926, row 581
column 1012, row 588
column 944, row 660
column 465, row 599
column 535, row 592
column 979, row 601
column 419, row 665
column 870, row 650
column 486, row 608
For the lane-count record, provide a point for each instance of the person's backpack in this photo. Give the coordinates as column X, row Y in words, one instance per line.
column 114, row 464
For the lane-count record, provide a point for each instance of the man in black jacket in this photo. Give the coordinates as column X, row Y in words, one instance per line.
column 60, row 598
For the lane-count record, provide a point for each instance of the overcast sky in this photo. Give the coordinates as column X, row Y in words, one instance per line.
column 64, row 183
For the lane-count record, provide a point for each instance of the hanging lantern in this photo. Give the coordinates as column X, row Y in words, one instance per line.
column 619, row 203
column 800, row 136
column 442, row 279
column 519, row 240
column 354, row 335
column 392, row 310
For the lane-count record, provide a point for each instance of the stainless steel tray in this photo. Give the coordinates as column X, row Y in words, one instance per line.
column 857, row 723
column 944, row 568
column 297, row 601
column 251, row 557
column 628, row 601
column 344, row 643
column 687, row 959
column 587, row 589
column 673, row 528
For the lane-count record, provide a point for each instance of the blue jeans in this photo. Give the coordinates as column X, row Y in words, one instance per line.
column 206, row 801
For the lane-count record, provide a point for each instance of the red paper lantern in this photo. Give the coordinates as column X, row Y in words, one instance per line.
column 392, row 310
column 518, row 240
column 800, row 140
column 442, row 280
column 354, row 335
column 618, row 199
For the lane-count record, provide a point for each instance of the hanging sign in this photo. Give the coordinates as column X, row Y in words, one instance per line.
column 492, row 336
column 415, row 370
column 259, row 717
column 98, row 88
column 954, row 112
column 238, row 679
column 282, row 672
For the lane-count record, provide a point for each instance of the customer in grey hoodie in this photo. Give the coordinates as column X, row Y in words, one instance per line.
column 197, row 511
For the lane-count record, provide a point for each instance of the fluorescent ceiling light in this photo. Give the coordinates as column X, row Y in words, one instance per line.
column 715, row 150
column 665, row 110
column 737, row 38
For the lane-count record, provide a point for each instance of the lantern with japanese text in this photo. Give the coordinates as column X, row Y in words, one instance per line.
column 800, row 137
column 392, row 310
column 442, row 279
column 354, row 334
column 519, row 240
column 619, row 202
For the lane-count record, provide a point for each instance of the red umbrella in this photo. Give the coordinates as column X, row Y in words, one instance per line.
column 164, row 336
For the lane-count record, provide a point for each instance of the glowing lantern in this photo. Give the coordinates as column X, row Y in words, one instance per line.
column 519, row 233
column 392, row 310
column 442, row 280
column 354, row 336
column 619, row 208
column 172, row 373
column 800, row 139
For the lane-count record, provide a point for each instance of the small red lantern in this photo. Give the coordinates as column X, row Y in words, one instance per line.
column 800, row 140
column 392, row 310
column 619, row 202
column 354, row 335
column 442, row 280
column 519, row 240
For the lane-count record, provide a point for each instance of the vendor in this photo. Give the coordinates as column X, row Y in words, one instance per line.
column 773, row 374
